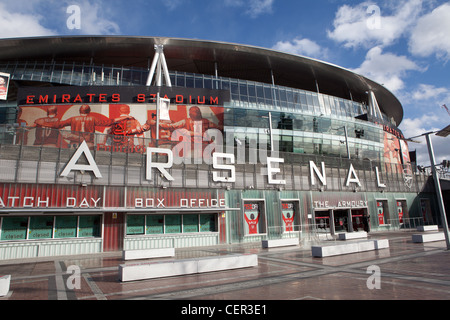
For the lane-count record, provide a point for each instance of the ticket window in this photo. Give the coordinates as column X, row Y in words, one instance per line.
column 254, row 218
column 402, row 211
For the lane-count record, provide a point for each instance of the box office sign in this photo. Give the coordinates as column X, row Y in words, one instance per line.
column 42, row 196
column 143, row 198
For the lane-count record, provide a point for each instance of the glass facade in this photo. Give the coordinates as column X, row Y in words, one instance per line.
column 297, row 115
column 303, row 125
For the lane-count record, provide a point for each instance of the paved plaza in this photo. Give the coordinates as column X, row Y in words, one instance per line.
column 407, row 271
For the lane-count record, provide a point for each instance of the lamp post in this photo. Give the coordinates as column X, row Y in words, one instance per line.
column 442, row 133
column 437, row 186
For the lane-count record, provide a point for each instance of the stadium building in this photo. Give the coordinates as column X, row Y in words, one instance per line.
column 120, row 143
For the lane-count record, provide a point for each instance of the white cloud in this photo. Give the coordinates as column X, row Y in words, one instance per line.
column 16, row 25
column 431, row 34
column 304, row 47
column 426, row 91
column 94, row 19
column 258, row 7
column 254, row 7
column 367, row 25
column 172, row 4
column 426, row 123
column 387, row 69
column 31, row 18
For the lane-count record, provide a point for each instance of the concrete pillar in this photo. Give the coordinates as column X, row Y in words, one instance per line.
column 349, row 220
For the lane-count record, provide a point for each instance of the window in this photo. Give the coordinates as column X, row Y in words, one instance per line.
column 89, row 226
column 180, row 80
column 14, row 228
column 170, row 224
column 50, row 227
column 189, row 82
column 155, row 224
column 190, row 223
column 208, row 83
column 66, row 226
column 198, row 82
column 286, row 143
column 207, row 223
column 135, row 224
column 40, row 227
column 298, row 145
column 173, row 223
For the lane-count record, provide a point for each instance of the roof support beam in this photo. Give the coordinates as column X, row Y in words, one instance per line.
column 159, row 65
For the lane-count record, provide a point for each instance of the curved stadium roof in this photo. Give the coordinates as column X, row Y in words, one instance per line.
column 199, row 56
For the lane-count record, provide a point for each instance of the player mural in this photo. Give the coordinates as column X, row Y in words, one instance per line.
column 254, row 218
column 117, row 127
column 288, row 215
column 119, row 119
column 4, row 84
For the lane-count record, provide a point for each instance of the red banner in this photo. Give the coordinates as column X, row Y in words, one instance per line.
column 34, row 196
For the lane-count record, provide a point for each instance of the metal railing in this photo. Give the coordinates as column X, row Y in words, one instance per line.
column 307, row 232
column 409, row 224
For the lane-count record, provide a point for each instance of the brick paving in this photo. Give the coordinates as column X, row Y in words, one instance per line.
column 409, row 271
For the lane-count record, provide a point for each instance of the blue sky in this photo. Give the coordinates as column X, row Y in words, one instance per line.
column 404, row 45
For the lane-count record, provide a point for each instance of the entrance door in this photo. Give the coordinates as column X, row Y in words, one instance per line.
column 113, row 231
column 358, row 217
column 341, row 220
column 322, row 221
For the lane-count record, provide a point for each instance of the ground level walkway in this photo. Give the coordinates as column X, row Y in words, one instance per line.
column 404, row 271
